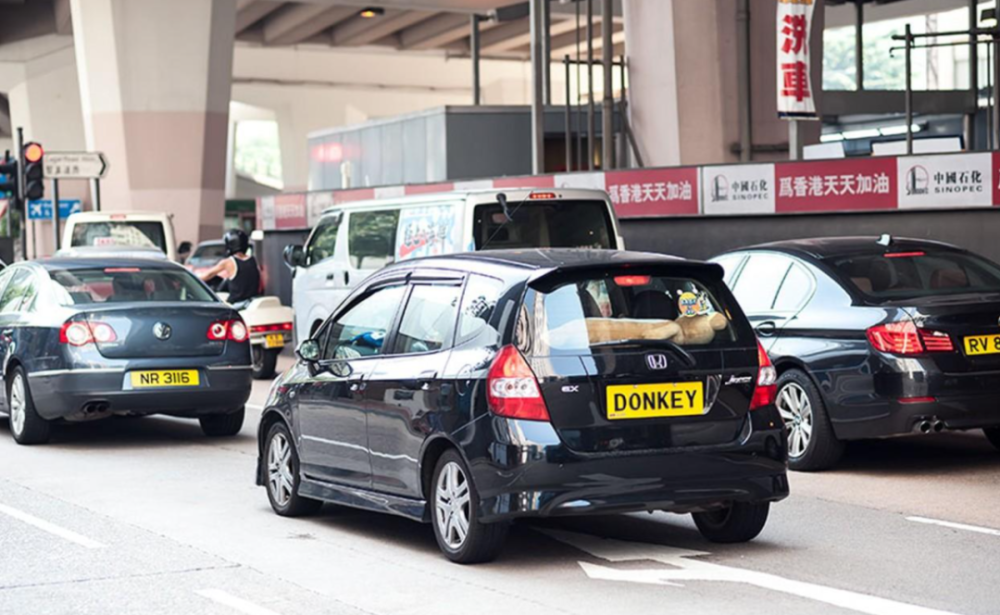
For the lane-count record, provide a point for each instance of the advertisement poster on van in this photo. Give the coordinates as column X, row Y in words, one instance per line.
column 426, row 231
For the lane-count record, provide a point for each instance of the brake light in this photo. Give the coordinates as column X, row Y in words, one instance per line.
column 218, row 330
column 904, row 338
column 632, row 280
column 512, row 389
column 542, row 196
column 766, row 390
column 285, row 326
column 80, row 333
column 238, row 331
column 903, row 254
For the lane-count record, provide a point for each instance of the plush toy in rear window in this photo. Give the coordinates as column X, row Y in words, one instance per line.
column 698, row 321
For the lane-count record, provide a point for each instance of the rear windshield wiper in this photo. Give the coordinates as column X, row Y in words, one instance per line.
column 686, row 357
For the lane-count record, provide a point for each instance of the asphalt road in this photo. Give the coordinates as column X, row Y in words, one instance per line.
column 147, row 516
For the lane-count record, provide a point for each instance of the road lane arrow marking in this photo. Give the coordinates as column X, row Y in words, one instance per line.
column 688, row 569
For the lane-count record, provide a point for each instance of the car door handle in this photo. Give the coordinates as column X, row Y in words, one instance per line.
column 767, row 328
column 329, row 276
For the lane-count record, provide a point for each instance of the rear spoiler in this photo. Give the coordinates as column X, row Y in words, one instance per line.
column 547, row 279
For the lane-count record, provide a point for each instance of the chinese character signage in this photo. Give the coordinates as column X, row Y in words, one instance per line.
column 426, row 231
column 738, row 189
column 795, row 90
column 942, row 181
column 843, row 185
column 656, row 192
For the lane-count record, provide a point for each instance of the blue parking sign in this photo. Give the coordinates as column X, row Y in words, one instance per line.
column 42, row 210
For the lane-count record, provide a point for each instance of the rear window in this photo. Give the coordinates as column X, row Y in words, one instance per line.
column 544, row 224
column 119, row 233
column 622, row 310
column 208, row 255
column 918, row 273
column 126, row 284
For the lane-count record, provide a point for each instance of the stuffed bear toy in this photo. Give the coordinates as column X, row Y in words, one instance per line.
column 698, row 330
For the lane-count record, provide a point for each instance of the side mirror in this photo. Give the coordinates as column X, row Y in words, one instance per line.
column 309, row 351
column 184, row 248
column 294, row 256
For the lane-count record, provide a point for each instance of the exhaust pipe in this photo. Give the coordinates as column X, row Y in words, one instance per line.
column 925, row 427
column 938, row 426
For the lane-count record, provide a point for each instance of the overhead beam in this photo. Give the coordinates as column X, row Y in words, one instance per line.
column 566, row 43
column 249, row 12
column 360, row 31
column 64, row 20
column 435, row 32
column 295, row 23
column 498, row 39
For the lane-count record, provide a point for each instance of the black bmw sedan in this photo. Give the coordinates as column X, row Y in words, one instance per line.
column 84, row 339
column 470, row 390
column 873, row 337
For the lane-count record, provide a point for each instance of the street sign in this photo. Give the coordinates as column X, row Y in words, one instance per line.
column 75, row 165
column 42, row 210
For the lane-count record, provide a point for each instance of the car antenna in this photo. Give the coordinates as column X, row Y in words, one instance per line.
column 885, row 240
column 508, row 213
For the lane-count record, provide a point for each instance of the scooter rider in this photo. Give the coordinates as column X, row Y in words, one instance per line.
column 239, row 271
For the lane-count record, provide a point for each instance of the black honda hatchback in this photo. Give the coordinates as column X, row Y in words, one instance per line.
column 873, row 337
column 470, row 390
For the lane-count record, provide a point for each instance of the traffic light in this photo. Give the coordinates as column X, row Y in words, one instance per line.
column 8, row 177
column 32, row 156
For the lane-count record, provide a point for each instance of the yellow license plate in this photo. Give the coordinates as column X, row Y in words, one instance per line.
column 274, row 340
column 982, row 344
column 165, row 378
column 646, row 401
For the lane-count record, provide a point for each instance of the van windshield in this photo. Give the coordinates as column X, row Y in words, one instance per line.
column 629, row 310
column 541, row 224
column 125, row 233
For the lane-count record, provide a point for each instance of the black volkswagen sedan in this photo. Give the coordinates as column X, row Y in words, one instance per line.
column 85, row 338
column 873, row 337
column 470, row 390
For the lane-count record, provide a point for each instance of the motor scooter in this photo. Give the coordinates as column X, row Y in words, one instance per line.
column 270, row 324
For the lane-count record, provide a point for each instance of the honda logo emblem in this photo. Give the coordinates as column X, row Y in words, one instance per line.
column 656, row 361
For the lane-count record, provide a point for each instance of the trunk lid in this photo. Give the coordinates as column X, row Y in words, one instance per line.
column 972, row 320
column 161, row 330
column 642, row 359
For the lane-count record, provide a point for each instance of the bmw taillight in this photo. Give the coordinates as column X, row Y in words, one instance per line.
column 766, row 390
column 233, row 330
column 82, row 332
column 512, row 389
column 904, row 338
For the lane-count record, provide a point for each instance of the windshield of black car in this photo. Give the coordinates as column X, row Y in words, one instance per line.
column 544, row 224
column 127, row 284
column 630, row 310
column 119, row 233
column 908, row 273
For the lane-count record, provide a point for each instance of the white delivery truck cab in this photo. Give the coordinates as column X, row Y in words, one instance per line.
column 132, row 229
column 353, row 240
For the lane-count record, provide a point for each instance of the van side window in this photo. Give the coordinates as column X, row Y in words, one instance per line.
column 429, row 319
column 323, row 241
column 371, row 238
column 478, row 302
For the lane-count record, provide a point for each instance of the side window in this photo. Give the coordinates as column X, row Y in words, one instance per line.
column 759, row 282
column 361, row 330
column 429, row 319
column 478, row 302
column 371, row 238
column 794, row 290
column 323, row 241
column 730, row 263
column 20, row 285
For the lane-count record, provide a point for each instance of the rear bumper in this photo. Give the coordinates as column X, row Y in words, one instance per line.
column 534, row 475
column 74, row 393
column 953, row 412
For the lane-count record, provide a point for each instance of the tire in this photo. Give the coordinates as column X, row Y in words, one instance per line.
column 25, row 425
column 223, row 425
column 993, row 435
column 282, row 475
column 265, row 362
column 741, row 522
column 812, row 444
column 453, row 482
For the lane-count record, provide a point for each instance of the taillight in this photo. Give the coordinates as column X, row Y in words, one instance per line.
column 278, row 328
column 512, row 389
column 81, row 333
column 766, row 390
column 904, row 338
column 234, row 330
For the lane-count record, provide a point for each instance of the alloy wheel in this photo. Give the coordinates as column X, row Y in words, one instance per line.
column 796, row 410
column 17, row 404
column 279, row 469
column 452, row 509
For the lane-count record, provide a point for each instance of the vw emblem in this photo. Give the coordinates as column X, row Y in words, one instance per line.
column 656, row 361
column 162, row 331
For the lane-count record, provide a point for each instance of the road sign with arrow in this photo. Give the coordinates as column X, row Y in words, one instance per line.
column 75, row 165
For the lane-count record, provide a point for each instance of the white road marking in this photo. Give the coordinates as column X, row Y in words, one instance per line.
column 691, row 570
column 956, row 526
column 51, row 528
column 238, row 604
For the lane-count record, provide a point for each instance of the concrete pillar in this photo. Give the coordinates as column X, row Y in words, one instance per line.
column 155, row 83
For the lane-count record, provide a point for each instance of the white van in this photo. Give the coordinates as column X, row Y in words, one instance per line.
column 353, row 240
column 133, row 229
